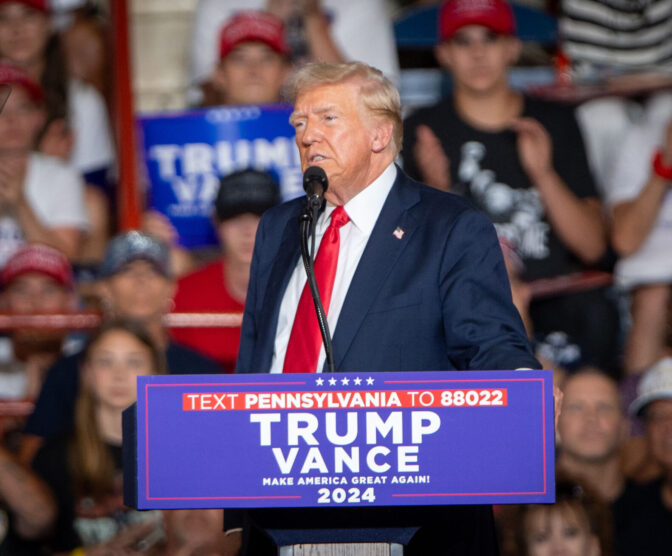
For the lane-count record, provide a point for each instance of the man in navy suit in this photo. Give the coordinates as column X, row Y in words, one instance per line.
column 420, row 282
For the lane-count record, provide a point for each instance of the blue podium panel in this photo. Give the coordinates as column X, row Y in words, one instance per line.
column 341, row 440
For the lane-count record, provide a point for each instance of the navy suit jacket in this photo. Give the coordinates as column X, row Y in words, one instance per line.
column 433, row 296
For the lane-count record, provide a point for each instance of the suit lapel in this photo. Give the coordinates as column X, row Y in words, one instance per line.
column 283, row 265
column 380, row 255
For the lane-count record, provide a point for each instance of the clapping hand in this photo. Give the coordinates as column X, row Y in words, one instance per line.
column 431, row 160
column 535, row 148
column 159, row 225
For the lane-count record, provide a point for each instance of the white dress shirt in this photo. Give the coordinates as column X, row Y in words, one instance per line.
column 363, row 210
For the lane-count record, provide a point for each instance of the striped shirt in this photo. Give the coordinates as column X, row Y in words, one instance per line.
column 620, row 33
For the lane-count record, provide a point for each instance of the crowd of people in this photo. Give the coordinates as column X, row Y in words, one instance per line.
column 573, row 193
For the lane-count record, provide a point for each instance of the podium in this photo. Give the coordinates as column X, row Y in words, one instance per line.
column 371, row 456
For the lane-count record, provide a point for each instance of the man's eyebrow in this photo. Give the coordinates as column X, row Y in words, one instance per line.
column 295, row 115
column 317, row 110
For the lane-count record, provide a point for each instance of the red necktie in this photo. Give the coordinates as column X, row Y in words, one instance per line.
column 305, row 341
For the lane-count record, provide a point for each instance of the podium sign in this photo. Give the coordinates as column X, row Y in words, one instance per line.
column 340, row 440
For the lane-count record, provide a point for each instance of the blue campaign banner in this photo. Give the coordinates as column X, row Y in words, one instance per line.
column 185, row 154
column 347, row 439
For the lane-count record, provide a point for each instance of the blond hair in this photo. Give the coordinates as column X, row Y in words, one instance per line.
column 378, row 95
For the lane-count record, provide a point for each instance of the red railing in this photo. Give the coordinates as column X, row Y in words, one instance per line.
column 128, row 192
column 88, row 320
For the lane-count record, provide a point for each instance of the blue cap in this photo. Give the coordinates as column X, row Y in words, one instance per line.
column 132, row 246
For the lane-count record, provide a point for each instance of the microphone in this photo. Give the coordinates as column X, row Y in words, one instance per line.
column 315, row 184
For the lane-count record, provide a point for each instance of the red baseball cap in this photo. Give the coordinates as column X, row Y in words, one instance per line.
column 38, row 258
column 251, row 26
column 36, row 4
column 496, row 15
column 12, row 75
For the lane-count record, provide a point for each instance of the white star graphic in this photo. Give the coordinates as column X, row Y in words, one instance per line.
column 345, row 381
column 319, row 381
column 357, row 381
column 369, row 381
column 332, row 381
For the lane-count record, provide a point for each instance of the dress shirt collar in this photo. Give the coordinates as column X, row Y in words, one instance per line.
column 364, row 208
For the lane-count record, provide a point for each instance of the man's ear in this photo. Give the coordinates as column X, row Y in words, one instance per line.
column 171, row 288
column 515, row 48
column 72, row 301
column 442, row 53
column 218, row 79
column 104, row 292
column 382, row 135
column 286, row 72
column 41, row 117
column 170, row 291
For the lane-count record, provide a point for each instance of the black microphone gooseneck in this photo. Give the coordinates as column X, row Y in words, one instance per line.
column 315, row 184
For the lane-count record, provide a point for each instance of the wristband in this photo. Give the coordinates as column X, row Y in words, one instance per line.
column 659, row 167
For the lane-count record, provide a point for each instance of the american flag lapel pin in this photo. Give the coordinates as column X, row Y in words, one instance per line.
column 398, row 233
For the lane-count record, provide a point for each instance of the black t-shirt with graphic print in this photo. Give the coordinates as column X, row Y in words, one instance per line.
column 485, row 168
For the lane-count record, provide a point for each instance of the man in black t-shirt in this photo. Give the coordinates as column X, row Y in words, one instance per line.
column 485, row 166
column 520, row 160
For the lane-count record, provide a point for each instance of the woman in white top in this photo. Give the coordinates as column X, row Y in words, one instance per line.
column 77, row 127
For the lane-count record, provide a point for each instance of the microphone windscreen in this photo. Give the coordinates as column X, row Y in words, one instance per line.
column 315, row 181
